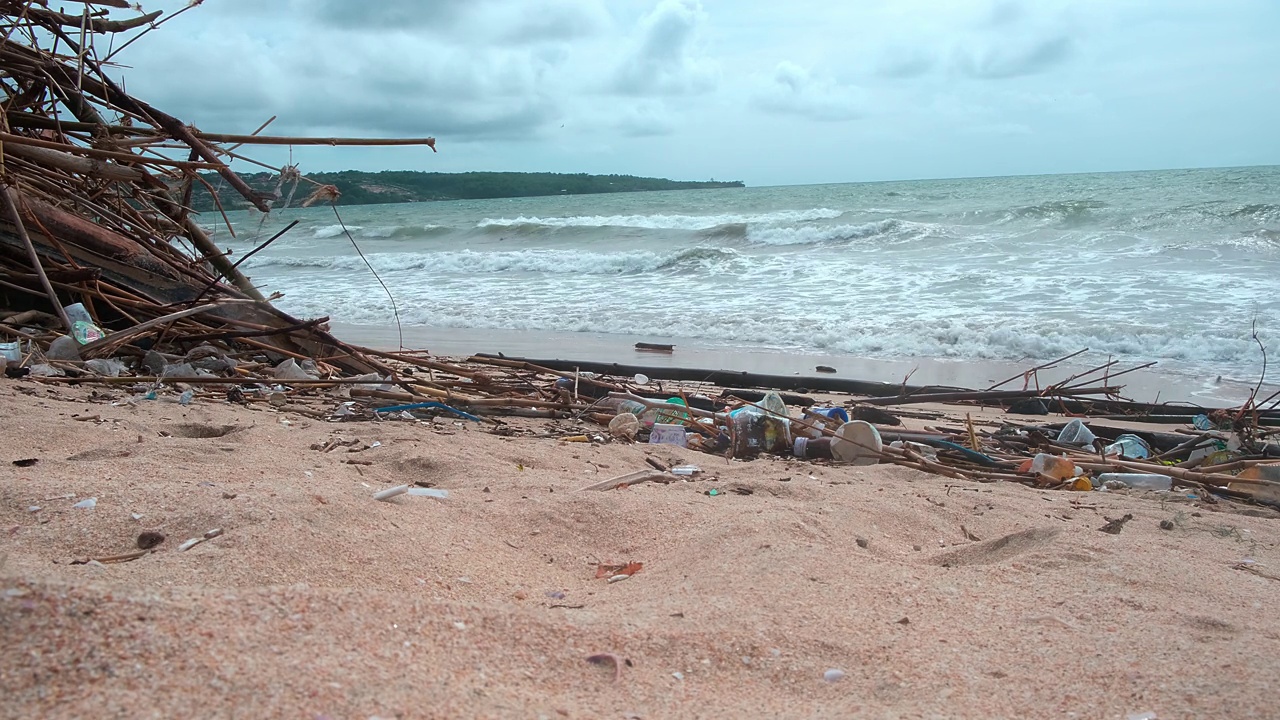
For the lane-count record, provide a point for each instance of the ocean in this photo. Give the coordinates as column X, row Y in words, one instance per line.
column 1172, row 266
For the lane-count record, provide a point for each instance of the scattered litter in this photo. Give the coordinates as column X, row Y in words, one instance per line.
column 26, row 462
column 833, row 675
column 611, row 571
column 685, row 470
column 87, row 504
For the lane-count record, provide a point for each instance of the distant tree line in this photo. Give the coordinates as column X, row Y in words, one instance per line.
column 394, row 186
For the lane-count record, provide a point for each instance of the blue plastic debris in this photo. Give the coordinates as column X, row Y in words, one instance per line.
column 434, row 405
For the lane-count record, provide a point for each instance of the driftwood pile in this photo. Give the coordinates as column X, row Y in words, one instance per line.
column 95, row 186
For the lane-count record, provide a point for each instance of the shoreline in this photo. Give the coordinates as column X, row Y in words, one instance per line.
column 1149, row 385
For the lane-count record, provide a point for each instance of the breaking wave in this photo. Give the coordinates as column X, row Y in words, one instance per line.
column 555, row 262
column 891, row 230
column 663, row 222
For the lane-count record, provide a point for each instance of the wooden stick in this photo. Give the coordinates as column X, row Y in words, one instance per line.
column 635, row 478
column 1045, row 366
column 104, row 154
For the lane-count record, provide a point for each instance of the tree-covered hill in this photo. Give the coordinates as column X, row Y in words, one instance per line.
column 393, row 186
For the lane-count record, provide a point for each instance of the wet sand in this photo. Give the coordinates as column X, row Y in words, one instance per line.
column 1150, row 385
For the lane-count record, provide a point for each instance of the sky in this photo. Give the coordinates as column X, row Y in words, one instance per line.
column 767, row 92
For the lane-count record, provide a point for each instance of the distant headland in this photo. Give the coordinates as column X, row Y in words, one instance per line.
column 397, row 186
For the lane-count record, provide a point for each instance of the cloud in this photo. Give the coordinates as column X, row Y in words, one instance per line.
column 645, row 119
column 794, row 90
column 1013, row 59
column 903, row 62
column 394, row 14
column 663, row 60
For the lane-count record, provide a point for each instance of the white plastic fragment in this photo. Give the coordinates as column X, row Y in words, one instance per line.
column 136, row 516
column 87, row 503
column 385, row 495
column 833, row 675
column 213, row 533
column 1141, row 716
column 34, row 508
column 685, row 470
column 677, row 675
column 618, row 578
column 429, row 492
column 190, row 543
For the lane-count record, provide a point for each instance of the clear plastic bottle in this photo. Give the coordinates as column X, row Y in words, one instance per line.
column 1138, row 481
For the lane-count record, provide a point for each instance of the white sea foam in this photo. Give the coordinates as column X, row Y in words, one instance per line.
column 665, row 222
column 891, row 230
column 554, row 262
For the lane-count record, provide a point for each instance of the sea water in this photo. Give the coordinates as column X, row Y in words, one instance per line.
column 1174, row 266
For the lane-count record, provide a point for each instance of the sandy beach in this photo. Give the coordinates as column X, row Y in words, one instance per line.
column 797, row 590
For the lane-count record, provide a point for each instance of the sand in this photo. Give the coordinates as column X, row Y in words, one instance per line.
column 317, row 601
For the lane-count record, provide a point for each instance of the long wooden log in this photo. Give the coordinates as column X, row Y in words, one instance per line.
column 108, row 154
column 69, row 162
column 723, row 378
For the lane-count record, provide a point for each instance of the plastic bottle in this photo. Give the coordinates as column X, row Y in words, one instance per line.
column 1056, row 467
column 1138, row 481
column 83, row 329
column 763, row 427
column 1130, row 446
